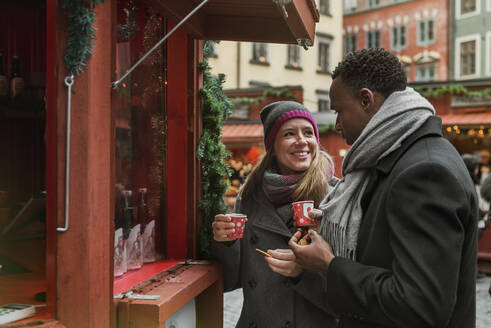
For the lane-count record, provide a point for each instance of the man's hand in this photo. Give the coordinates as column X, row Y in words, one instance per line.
column 316, row 216
column 282, row 261
column 314, row 257
column 223, row 227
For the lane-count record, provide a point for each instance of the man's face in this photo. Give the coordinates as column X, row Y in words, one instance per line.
column 351, row 117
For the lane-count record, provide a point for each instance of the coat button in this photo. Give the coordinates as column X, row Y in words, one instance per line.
column 252, row 283
column 287, row 324
column 252, row 325
column 254, row 239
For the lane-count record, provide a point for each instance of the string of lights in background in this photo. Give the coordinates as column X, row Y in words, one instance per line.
column 481, row 131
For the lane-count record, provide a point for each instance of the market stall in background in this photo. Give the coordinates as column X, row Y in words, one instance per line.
column 465, row 108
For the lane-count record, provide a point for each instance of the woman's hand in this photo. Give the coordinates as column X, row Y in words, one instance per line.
column 282, row 261
column 223, row 227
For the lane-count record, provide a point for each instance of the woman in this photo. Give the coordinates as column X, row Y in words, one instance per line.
column 277, row 293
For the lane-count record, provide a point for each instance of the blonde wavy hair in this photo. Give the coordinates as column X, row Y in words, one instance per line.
column 312, row 185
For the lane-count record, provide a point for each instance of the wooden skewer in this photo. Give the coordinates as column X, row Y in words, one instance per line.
column 260, row 251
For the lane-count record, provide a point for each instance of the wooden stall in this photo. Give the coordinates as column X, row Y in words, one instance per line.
column 132, row 158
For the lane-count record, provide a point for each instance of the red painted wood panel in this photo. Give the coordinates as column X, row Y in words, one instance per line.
column 177, row 142
column 51, row 160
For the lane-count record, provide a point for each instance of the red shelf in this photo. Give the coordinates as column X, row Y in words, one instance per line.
column 134, row 277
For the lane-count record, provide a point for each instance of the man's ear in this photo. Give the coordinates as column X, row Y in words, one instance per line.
column 367, row 99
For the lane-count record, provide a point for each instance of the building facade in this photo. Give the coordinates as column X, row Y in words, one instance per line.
column 415, row 30
column 471, row 39
column 267, row 64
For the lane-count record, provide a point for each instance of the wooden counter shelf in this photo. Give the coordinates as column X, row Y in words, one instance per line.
column 176, row 286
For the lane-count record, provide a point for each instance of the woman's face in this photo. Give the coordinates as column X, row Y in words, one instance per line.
column 294, row 146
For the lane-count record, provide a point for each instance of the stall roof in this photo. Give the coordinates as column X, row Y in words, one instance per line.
column 241, row 20
column 476, row 119
column 242, row 133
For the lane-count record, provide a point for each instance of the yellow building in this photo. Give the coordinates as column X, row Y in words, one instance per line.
column 248, row 64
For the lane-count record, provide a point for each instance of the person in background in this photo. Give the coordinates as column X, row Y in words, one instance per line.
column 483, row 168
column 277, row 291
column 398, row 234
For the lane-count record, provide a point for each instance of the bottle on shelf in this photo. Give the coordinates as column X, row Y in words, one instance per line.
column 17, row 83
column 4, row 82
column 147, row 228
column 131, row 229
column 120, row 258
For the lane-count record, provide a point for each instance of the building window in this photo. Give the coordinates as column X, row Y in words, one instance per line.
column 466, row 8
column 349, row 43
column 323, row 101
column 426, row 73
column 349, row 6
column 398, row 37
column 323, row 105
column 373, row 39
column 324, row 54
column 426, row 32
column 406, row 68
column 373, row 3
column 324, row 7
column 488, row 52
column 214, row 49
column 468, row 58
column 293, row 56
column 259, row 52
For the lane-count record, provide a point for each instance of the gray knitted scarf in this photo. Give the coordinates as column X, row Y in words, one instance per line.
column 402, row 113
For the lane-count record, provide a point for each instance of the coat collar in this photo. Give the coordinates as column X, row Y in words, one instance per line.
column 267, row 217
column 432, row 127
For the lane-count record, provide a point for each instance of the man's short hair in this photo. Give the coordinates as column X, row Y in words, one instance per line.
column 372, row 68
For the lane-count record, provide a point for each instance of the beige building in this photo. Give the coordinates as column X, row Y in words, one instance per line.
column 259, row 64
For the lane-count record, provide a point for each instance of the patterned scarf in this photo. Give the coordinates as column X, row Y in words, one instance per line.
column 402, row 113
column 279, row 188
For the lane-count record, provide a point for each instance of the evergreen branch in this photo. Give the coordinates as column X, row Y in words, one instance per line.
column 81, row 33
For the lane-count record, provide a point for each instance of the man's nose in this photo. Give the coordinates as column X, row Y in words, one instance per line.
column 337, row 126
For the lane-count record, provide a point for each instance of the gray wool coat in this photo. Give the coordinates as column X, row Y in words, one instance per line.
column 270, row 299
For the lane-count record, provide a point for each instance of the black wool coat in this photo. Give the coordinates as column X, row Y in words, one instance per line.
column 416, row 251
column 270, row 299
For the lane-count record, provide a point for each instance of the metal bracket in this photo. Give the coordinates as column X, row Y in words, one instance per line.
column 115, row 84
column 282, row 4
column 136, row 296
column 188, row 262
column 305, row 43
column 68, row 83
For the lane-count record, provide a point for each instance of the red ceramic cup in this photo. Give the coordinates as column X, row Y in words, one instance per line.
column 301, row 211
column 239, row 220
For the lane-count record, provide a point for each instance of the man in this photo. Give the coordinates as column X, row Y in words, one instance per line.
column 402, row 221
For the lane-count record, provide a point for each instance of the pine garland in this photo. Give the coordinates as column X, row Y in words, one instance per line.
column 282, row 93
column 453, row 89
column 81, row 33
column 211, row 151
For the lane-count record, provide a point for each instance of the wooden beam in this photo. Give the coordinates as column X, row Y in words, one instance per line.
column 239, row 28
column 84, row 276
column 176, row 10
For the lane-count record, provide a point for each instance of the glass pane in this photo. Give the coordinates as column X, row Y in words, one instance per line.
column 140, row 145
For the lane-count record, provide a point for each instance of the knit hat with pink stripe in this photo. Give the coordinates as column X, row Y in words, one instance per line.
column 275, row 114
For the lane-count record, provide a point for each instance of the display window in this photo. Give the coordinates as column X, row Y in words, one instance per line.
column 139, row 107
